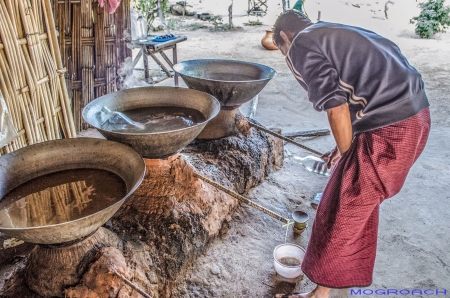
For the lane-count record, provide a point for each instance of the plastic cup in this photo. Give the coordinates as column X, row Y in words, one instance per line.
column 284, row 252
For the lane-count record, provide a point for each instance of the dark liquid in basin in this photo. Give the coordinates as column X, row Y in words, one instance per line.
column 290, row 261
column 158, row 119
column 231, row 77
column 60, row 197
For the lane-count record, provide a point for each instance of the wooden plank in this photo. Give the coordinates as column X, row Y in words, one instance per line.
column 76, row 43
column 86, row 18
column 87, row 78
column 100, row 44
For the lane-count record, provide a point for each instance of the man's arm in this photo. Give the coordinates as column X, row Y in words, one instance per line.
column 341, row 127
column 318, row 76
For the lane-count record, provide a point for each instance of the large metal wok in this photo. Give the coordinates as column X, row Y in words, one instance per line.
column 158, row 144
column 40, row 159
column 232, row 82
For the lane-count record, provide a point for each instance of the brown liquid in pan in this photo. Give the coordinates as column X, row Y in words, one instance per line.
column 60, row 197
column 158, row 119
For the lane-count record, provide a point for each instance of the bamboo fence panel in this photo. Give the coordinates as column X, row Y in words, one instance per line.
column 32, row 74
column 93, row 45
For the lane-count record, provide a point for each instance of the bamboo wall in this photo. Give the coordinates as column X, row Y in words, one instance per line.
column 93, row 46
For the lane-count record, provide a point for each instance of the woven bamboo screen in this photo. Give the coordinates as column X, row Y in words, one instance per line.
column 93, row 45
column 32, row 74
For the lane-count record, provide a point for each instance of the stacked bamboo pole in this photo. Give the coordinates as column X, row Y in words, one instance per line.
column 31, row 73
column 44, row 100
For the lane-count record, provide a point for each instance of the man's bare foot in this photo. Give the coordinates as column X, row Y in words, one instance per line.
column 318, row 292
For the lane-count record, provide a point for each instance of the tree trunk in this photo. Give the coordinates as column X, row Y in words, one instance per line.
column 230, row 15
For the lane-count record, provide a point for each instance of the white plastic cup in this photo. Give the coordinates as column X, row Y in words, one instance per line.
column 288, row 250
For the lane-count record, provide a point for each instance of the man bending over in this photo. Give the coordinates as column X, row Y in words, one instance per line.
column 378, row 113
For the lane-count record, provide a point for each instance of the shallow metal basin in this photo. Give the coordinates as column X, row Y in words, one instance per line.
column 158, row 144
column 40, row 159
column 232, row 82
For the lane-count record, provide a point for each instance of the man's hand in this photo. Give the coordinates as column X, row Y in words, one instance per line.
column 331, row 157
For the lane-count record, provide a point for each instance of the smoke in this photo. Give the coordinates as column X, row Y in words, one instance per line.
column 128, row 79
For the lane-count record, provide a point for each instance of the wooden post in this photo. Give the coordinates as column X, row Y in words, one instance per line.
column 230, row 15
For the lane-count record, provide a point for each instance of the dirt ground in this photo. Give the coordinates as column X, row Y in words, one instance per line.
column 414, row 228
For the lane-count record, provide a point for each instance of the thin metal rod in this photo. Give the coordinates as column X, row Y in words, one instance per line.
column 308, row 133
column 166, row 59
column 283, row 138
column 164, row 68
column 243, row 199
column 138, row 57
column 145, row 58
column 175, row 60
column 131, row 284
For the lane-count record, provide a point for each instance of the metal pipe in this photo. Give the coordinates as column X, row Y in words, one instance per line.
column 307, row 133
column 283, row 138
column 243, row 199
column 131, row 284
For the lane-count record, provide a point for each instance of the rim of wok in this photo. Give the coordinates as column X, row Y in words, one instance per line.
column 270, row 70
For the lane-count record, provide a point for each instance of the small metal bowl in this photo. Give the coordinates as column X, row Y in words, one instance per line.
column 300, row 221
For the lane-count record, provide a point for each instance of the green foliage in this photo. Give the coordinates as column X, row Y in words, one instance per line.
column 254, row 23
column 196, row 26
column 227, row 27
column 149, row 9
column 216, row 21
column 172, row 23
column 434, row 17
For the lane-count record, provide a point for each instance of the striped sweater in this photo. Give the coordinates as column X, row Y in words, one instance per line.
column 339, row 64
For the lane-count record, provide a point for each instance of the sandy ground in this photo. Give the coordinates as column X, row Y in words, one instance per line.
column 414, row 228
